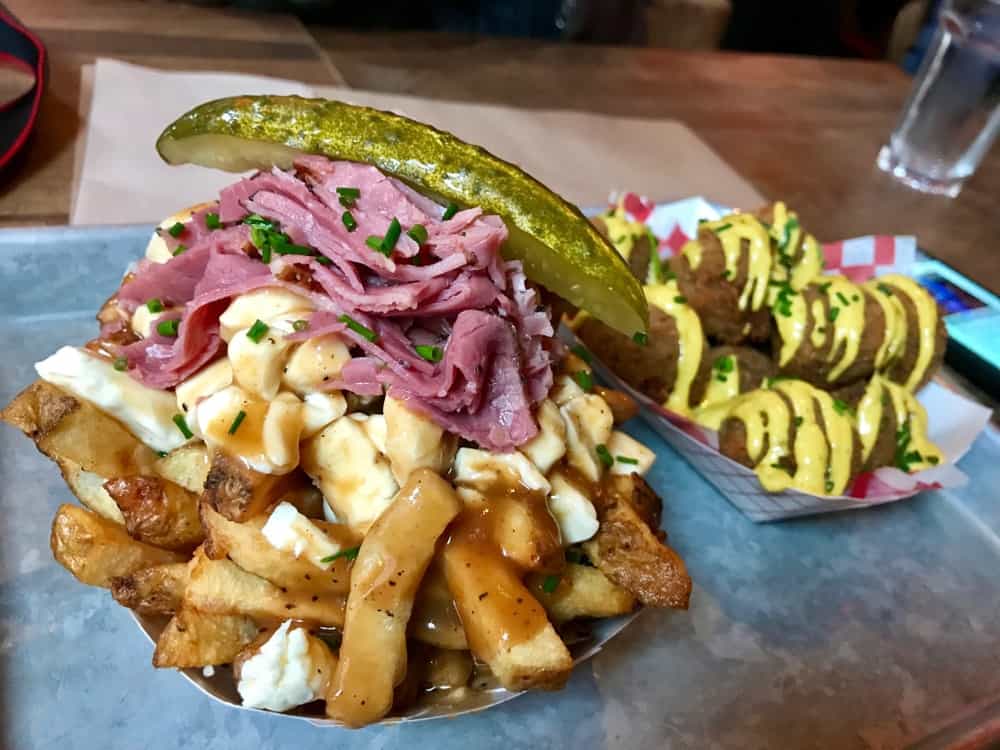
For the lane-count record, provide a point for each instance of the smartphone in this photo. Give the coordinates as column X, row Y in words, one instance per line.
column 972, row 317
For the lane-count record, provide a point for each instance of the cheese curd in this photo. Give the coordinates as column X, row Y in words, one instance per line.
column 415, row 442
column 288, row 530
column 157, row 250
column 589, row 423
column 352, row 474
column 147, row 413
column 266, row 437
column 258, row 362
column 291, row 668
column 549, row 445
column 564, row 390
column 572, row 510
column 375, row 428
column 142, row 320
column 314, row 362
column 261, row 304
column 480, row 470
column 203, row 384
column 625, row 446
column 320, row 409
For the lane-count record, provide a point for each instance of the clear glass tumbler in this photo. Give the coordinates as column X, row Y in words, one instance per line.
column 953, row 113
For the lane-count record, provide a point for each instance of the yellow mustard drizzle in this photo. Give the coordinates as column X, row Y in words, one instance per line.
column 823, row 459
column 690, row 341
column 927, row 319
column 818, row 335
column 881, row 393
column 622, row 231
column 731, row 231
column 792, row 327
column 787, row 232
column 894, row 338
column 722, row 388
column 848, row 324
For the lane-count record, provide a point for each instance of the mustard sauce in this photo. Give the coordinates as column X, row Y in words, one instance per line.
column 848, row 322
column 731, row 231
column 690, row 341
column 823, row 458
column 927, row 320
column 894, row 339
column 787, row 233
column 622, row 231
column 723, row 387
column 915, row 451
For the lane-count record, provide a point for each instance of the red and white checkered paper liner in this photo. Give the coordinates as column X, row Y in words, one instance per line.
column 954, row 421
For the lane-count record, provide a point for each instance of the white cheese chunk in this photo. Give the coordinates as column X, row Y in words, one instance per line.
column 481, row 470
column 290, row 669
column 314, row 362
column 266, row 437
column 320, row 410
column 350, row 471
column 589, row 423
column 375, row 428
column 156, row 250
column 549, row 445
column 564, row 390
column 288, row 530
column 260, row 304
column 414, row 442
column 572, row 510
column 203, row 384
column 621, row 445
column 258, row 364
column 146, row 412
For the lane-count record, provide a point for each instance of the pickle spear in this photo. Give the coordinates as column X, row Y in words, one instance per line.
column 560, row 249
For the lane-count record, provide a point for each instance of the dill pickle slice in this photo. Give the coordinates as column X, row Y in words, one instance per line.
column 560, row 249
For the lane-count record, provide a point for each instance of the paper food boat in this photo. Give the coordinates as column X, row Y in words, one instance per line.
column 954, row 421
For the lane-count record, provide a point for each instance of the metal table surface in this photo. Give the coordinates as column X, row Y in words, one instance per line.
column 865, row 629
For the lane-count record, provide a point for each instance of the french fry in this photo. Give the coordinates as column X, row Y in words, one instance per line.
column 97, row 550
column 187, row 466
column 152, row 591
column 89, row 490
column 526, row 532
column 582, row 591
column 157, row 512
column 506, row 627
column 222, row 587
column 199, row 639
column 238, row 492
column 627, row 550
column 246, row 546
column 65, row 427
column 392, row 560
column 435, row 620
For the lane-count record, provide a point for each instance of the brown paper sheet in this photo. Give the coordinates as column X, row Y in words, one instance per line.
column 121, row 180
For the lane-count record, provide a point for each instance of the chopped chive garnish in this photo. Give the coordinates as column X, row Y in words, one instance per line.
column 374, row 242
column 176, row 230
column 182, row 425
column 669, row 275
column 349, row 221
column 840, row 407
column 323, row 260
column 933, row 460
column 258, row 236
column 884, row 288
column 154, row 305
column 581, row 351
column 843, row 300
column 724, row 363
column 722, row 378
column 450, row 211
column 855, row 297
column 824, row 287
column 257, row 331
column 430, row 353
column 290, row 249
column 829, row 485
column 121, row 364
column 391, row 236
column 162, row 454
column 417, row 233
column 723, row 228
column 348, row 195
column 167, row 327
column 604, row 454
column 798, row 421
column 179, row 249
column 212, row 221
column 584, row 379
column 359, row 329
column 834, row 312
column 640, row 338
column 680, row 299
column 300, row 325
column 627, row 460
column 237, row 422
column 256, row 220
column 550, row 584
column 351, row 553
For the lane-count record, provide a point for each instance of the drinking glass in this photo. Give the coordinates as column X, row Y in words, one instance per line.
column 953, row 113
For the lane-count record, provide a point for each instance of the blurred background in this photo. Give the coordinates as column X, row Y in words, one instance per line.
column 870, row 29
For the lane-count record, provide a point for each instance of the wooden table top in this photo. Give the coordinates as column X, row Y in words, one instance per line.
column 805, row 130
